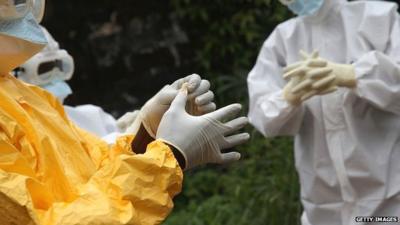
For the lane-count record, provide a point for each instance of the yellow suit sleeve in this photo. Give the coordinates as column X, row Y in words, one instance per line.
column 53, row 173
column 144, row 183
column 127, row 189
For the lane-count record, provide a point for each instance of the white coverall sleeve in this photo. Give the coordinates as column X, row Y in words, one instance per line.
column 269, row 112
column 95, row 120
column 378, row 72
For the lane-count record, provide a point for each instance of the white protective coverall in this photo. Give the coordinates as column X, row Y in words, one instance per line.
column 94, row 119
column 347, row 143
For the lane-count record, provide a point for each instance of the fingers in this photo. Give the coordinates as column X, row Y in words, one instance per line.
column 203, row 87
column 315, row 54
column 235, row 140
column 313, row 75
column 301, row 86
column 292, row 67
column 299, row 69
column 296, row 72
column 195, row 84
column 204, row 98
column 324, row 82
column 204, row 109
column 317, row 63
column 177, row 84
column 303, row 55
column 192, row 80
column 308, row 95
column 315, row 92
column 180, row 100
column 167, row 94
column 319, row 73
column 236, row 124
column 230, row 157
column 315, row 87
column 226, row 112
column 316, row 78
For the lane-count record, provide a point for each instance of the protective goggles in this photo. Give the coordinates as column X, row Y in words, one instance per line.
column 17, row 9
column 44, row 68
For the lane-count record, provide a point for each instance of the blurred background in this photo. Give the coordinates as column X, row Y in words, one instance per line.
column 125, row 51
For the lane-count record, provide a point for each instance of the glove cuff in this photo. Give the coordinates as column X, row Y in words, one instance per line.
column 142, row 119
column 175, row 147
column 346, row 75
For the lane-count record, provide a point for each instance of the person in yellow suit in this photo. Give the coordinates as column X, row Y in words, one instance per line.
column 54, row 173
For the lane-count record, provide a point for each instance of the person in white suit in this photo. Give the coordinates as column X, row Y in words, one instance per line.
column 341, row 102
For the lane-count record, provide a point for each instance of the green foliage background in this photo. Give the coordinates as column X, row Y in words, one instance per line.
column 125, row 51
column 263, row 187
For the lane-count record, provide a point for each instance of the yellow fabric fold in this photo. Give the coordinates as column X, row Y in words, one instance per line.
column 54, row 173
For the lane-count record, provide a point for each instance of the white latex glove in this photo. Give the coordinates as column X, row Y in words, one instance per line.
column 200, row 139
column 200, row 102
column 315, row 76
column 126, row 122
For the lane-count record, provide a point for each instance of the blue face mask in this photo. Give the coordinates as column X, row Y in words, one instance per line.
column 25, row 28
column 20, row 39
column 60, row 89
column 305, row 7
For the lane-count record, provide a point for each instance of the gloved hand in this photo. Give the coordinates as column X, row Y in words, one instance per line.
column 200, row 102
column 200, row 139
column 315, row 76
column 295, row 93
column 126, row 122
column 295, row 98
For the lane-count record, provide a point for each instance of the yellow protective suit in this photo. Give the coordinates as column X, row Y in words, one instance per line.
column 53, row 173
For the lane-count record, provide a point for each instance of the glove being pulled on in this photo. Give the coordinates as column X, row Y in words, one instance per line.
column 200, row 102
column 200, row 139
